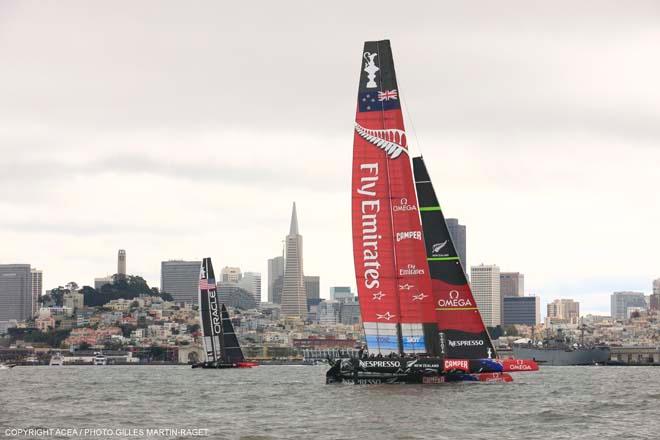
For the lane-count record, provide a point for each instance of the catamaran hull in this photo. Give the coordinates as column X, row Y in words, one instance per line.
column 366, row 378
column 423, row 370
column 217, row 365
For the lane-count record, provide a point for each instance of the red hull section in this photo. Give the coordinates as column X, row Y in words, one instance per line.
column 494, row 377
column 246, row 364
column 516, row 365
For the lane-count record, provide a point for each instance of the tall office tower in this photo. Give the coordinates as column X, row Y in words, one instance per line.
column 512, row 284
column 654, row 303
column 485, row 282
column 15, row 292
column 656, row 286
column 341, row 293
column 622, row 301
column 251, row 282
column 181, row 280
column 329, row 311
column 458, row 236
column 564, row 310
column 275, row 275
column 312, row 290
column 121, row 264
column 37, row 289
column 231, row 274
column 521, row 310
column 294, row 298
column 349, row 312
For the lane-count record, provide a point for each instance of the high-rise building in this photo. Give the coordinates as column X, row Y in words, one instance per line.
column 232, row 295
column 485, row 282
column 349, row 312
column 15, row 292
column 251, row 282
column 231, row 274
column 74, row 300
column 512, row 284
column 565, row 310
column 102, row 281
column 312, row 290
column 294, row 297
column 654, row 302
column 622, row 301
column 521, row 310
column 458, row 236
column 37, row 289
column 121, row 264
column 329, row 311
column 275, row 276
column 341, row 293
column 181, row 280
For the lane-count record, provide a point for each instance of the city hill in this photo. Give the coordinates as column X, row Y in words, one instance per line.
column 124, row 287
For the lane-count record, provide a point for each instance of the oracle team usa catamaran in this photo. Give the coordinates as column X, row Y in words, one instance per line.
column 221, row 347
column 421, row 322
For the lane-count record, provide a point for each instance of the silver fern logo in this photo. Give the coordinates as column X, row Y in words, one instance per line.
column 438, row 247
column 392, row 140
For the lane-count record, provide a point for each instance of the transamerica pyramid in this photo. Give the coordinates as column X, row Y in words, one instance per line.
column 294, row 298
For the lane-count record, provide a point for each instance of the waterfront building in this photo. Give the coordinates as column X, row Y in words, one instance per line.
column 180, row 279
column 512, row 284
column 251, row 282
column 230, row 274
column 341, row 293
column 621, row 301
column 37, row 289
column 566, row 310
column 312, row 290
column 521, row 310
column 294, row 297
column 458, row 236
column 485, row 283
column 121, row 264
column 275, row 279
column 15, row 292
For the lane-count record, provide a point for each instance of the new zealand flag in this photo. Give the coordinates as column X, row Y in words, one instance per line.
column 378, row 101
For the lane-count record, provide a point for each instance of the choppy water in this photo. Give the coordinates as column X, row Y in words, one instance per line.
column 276, row 402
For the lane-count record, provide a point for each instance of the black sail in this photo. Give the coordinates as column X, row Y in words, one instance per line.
column 232, row 349
column 209, row 313
column 462, row 332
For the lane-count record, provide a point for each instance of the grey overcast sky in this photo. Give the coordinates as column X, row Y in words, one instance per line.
column 178, row 130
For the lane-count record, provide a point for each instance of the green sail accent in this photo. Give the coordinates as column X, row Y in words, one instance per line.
column 442, row 259
column 430, row 208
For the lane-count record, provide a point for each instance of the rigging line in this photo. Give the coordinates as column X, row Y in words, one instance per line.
column 418, row 144
column 389, row 196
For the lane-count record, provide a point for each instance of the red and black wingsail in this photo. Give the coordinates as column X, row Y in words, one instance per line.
column 388, row 245
column 462, row 333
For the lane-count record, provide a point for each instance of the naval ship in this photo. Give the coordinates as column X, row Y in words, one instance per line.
column 562, row 351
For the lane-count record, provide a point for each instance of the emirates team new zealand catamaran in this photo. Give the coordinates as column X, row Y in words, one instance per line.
column 220, row 342
column 421, row 322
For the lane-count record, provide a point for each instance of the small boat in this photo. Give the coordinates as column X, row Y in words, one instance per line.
column 7, row 366
column 221, row 346
column 99, row 359
column 56, row 360
column 421, row 321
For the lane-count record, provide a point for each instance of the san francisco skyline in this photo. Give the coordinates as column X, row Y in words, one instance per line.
column 539, row 128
